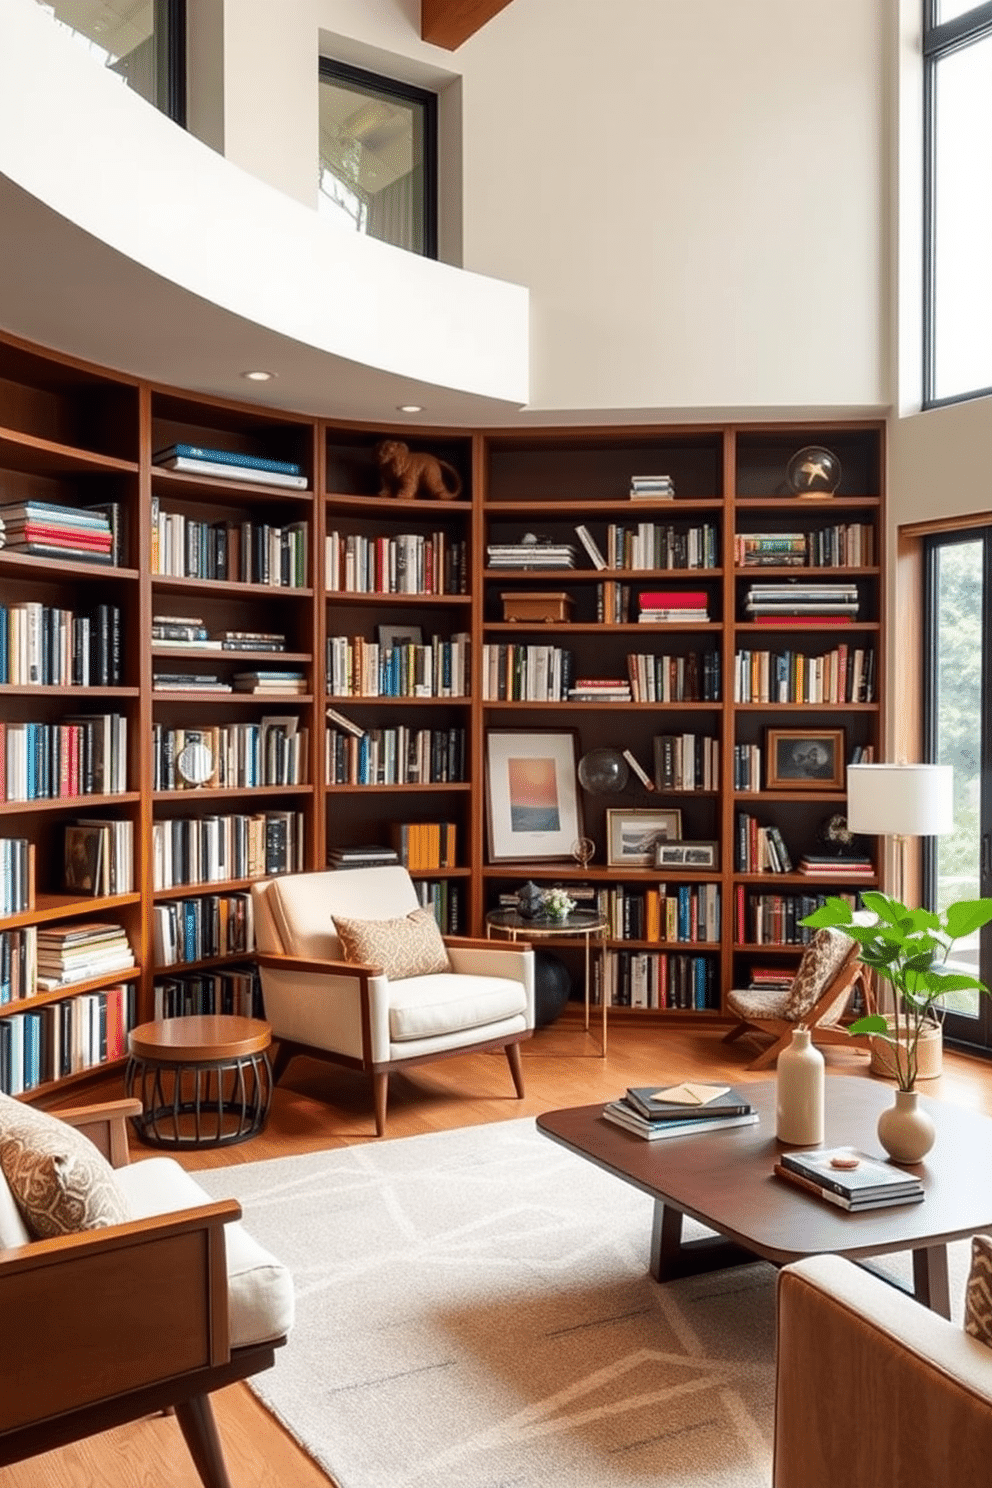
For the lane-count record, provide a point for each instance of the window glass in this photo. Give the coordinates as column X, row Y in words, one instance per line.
column 129, row 37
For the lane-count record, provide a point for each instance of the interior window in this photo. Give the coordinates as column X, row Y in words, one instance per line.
column 142, row 41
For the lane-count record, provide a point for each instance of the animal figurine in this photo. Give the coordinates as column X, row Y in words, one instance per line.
column 408, row 473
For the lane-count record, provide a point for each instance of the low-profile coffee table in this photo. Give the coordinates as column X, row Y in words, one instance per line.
column 724, row 1180
column 203, row 1081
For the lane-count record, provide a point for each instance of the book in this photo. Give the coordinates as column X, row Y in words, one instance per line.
column 673, row 599
column 621, row 1114
column 84, row 849
column 638, row 770
column 591, row 546
column 232, row 472
column 226, row 457
column 723, row 1100
column 872, row 1177
column 852, row 1205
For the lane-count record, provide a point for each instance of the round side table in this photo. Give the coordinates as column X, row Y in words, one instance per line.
column 202, row 1081
column 581, row 924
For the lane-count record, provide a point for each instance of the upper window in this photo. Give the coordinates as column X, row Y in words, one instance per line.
column 143, row 41
column 957, row 45
column 378, row 157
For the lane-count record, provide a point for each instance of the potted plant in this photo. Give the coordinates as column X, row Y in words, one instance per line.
column 911, row 949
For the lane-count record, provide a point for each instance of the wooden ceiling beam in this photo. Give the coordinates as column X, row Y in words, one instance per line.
column 447, row 23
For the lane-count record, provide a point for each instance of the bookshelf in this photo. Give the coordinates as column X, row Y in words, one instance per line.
column 394, row 631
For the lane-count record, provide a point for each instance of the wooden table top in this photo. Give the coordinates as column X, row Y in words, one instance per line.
column 725, row 1180
column 199, row 1038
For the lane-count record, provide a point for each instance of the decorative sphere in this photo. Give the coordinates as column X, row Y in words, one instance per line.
column 813, row 471
column 552, row 987
column 603, row 772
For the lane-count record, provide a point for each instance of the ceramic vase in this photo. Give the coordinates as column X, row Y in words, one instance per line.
column 905, row 1130
column 799, row 1092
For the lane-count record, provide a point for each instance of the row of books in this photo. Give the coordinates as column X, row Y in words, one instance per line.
column 686, row 762
column 845, row 545
column 531, row 553
column 394, row 756
column 233, row 465
column 190, row 632
column 62, row 1038
column 659, row 1112
column 218, row 849
column 80, row 951
column 777, row 919
column 18, row 964
column 760, row 849
column 274, row 751
column 45, row 529
column 519, row 672
column 652, row 545
column 77, row 757
column 16, row 868
column 234, row 991
column 423, row 846
column 357, row 667
column 195, row 929
column 668, row 912
column 849, row 1179
column 792, row 600
column 99, row 856
column 443, row 897
column 409, row 563
column 236, row 552
column 845, row 674
column 689, row 677
column 51, row 647
column 656, row 979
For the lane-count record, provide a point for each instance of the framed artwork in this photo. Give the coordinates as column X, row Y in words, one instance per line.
column 806, row 759
column 532, row 796
column 685, row 855
column 399, row 635
column 632, row 837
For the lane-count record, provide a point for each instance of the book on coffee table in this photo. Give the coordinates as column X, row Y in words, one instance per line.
column 853, row 1205
column 622, row 1113
column 852, row 1174
column 689, row 1102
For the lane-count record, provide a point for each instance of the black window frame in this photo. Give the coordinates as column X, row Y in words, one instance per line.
column 940, row 39
column 173, row 13
column 344, row 72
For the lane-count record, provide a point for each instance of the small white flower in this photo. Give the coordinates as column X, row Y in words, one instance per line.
column 558, row 903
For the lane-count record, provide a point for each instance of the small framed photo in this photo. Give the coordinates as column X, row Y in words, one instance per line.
column 804, row 759
column 533, row 805
column 399, row 635
column 633, row 836
column 685, row 855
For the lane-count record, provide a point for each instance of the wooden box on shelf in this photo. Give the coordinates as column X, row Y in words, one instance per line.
column 545, row 607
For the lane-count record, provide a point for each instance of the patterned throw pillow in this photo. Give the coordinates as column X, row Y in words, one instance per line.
column 61, row 1183
column 407, row 947
column 822, row 959
column 978, row 1297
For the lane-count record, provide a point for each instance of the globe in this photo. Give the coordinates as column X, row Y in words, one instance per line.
column 813, row 471
column 603, row 772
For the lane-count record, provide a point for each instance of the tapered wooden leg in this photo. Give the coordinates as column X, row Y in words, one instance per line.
column 380, row 1094
column 516, row 1064
column 735, row 1033
column 196, row 1422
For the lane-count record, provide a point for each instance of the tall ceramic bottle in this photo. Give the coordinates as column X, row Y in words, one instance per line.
column 799, row 1092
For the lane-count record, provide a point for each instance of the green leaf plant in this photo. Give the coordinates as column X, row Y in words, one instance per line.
column 911, row 949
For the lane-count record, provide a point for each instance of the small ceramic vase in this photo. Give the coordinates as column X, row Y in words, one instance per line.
column 799, row 1092
column 905, row 1130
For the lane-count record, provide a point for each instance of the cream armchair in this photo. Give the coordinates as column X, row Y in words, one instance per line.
column 317, row 1002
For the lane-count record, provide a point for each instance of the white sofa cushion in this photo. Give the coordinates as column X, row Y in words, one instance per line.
column 431, row 1006
column 260, row 1288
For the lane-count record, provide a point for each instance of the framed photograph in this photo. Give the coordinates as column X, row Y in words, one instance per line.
column 632, row 837
column 685, row 855
column 399, row 635
column 804, row 759
column 532, row 795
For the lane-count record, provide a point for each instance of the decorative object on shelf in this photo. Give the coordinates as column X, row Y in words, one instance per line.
column 685, row 855
column 603, row 772
column 533, row 805
column 529, row 900
column 546, row 608
column 195, row 764
column 408, row 473
column 632, row 837
column 813, row 471
column 799, row 1091
column 398, row 635
column 911, row 949
column 835, row 833
column 552, row 987
column 583, row 851
column 804, row 759
column 557, row 904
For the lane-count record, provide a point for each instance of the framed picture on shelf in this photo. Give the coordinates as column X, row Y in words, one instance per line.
column 533, row 808
column 399, row 635
column 804, row 759
column 632, row 837
column 685, row 855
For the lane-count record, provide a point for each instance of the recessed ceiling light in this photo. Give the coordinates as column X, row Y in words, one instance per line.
column 259, row 376
column 409, row 408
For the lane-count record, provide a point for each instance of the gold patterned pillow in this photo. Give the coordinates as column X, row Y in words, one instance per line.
column 822, row 959
column 978, row 1297
column 60, row 1182
column 407, row 947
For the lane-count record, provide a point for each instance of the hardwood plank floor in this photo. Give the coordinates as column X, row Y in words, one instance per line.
column 321, row 1106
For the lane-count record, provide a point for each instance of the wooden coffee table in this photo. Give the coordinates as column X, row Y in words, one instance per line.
column 724, row 1180
column 203, row 1081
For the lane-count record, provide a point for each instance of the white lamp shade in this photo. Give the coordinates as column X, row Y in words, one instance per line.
column 900, row 800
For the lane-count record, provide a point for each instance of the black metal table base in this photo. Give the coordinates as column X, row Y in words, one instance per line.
column 188, row 1107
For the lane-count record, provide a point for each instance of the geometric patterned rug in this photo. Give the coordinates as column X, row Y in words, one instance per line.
column 474, row 1311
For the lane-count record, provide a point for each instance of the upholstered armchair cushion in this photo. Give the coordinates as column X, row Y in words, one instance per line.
column 822, row 959
column 408, row 946
column 434, row 1006
column 978, row 1296
column 59, row 1181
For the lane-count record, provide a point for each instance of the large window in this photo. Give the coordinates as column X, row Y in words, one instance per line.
column 378, row 157
column 143, row 41
column 957, row 48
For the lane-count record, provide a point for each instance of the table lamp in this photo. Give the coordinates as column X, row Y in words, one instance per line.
column 900, row 801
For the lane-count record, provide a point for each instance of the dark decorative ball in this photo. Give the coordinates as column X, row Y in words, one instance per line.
column 603, row 772
column 552, row 987
column 814, row 471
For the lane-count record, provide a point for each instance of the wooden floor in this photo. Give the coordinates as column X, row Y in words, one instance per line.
column 319, row 1106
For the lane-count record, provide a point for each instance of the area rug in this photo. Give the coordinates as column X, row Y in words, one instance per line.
column 474, row 1311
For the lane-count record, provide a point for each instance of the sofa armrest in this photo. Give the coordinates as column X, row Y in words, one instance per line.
column 873, row 1390
column 316, row 965
column 105, row 1125
column 97, row 1314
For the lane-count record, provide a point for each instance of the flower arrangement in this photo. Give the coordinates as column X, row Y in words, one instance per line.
column 558, row 904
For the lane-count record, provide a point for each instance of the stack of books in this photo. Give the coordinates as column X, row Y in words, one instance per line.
column 833, row 865
column 531, row 552
column 651, row 488
column 599, row 690
column 270, row 683
column 834, row 604
column 849, row 1178
column 188, row 682
column 231, row 465
column 684, row 606
column 656, row 1113
column 367, row 855
column 74, row 953
column 45, row 529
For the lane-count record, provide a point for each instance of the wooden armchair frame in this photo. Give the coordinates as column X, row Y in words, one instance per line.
column 832, row 1032
column 110, row 1325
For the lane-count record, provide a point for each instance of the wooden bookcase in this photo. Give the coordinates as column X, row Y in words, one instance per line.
column 76, row 435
